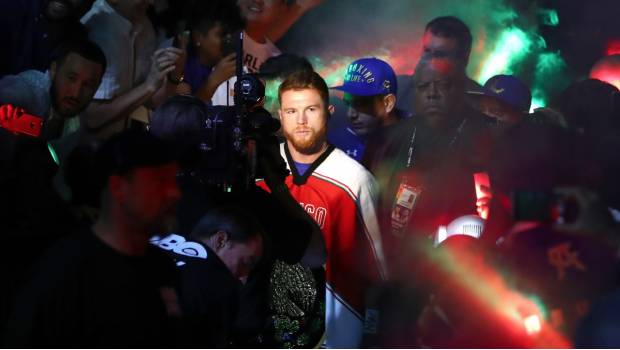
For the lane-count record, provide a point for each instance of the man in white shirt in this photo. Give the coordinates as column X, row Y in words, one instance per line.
column 266, row 22
column 136, row 71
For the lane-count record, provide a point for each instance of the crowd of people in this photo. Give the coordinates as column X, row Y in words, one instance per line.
column 145, row 203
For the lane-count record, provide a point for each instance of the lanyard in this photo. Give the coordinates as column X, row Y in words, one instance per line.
column 410, row 152
column 458, row 132
column 412, row 142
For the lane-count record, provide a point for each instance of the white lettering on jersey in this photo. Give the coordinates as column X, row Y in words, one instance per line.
column 179, row 245
column 319, row 214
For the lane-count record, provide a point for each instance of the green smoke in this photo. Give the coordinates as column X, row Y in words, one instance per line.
column 520, row 45
column 511, row 48
column 548, row 76
column 505, row 42
column 333, row 70
column 549, row 17
column 271, row 95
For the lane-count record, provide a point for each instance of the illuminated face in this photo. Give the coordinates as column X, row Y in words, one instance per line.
column 303, row 115
column 438, row 92
column 434, row 46
column 74, row 83
column 365, row 113
column 263, row 12
column 241, row 257
column 149, row 196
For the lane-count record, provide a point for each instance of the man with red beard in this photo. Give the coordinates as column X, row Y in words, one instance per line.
column 341, row 196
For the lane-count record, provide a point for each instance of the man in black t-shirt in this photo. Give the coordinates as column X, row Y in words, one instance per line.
column 107, row 287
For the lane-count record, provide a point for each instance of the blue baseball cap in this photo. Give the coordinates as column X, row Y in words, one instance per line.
column 508, row 89
column 367, row 77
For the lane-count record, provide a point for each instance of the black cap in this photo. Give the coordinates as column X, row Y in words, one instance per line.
column 131, row 149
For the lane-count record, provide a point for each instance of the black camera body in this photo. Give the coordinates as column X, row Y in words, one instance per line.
column 219, row 141
column 226, row 146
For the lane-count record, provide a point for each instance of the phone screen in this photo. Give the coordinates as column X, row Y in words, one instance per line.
column 228, row 45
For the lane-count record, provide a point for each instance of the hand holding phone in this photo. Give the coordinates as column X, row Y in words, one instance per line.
column 182, row 40
column 17, row 121
column 228, row 45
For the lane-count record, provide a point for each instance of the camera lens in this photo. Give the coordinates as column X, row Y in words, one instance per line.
column 246, row 87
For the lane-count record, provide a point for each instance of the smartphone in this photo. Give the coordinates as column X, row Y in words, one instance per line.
column 183, row 37
column 17, row 121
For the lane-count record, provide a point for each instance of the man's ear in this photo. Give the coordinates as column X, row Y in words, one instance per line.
column 331, row 109
column 218, row 240
column 389, row 103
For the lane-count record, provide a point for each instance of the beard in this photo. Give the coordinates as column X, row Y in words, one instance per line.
column 308, row 144
column 58, row 107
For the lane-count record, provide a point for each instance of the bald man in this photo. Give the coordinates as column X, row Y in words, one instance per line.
column 425, row 170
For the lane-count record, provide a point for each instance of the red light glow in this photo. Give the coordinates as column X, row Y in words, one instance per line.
column 532, row 324
column 613, row 47
column 607, row 69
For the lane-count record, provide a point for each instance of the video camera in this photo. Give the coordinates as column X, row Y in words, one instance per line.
column 223, row 138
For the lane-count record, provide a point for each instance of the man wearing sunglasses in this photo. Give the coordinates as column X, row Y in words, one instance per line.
column 370, row 90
